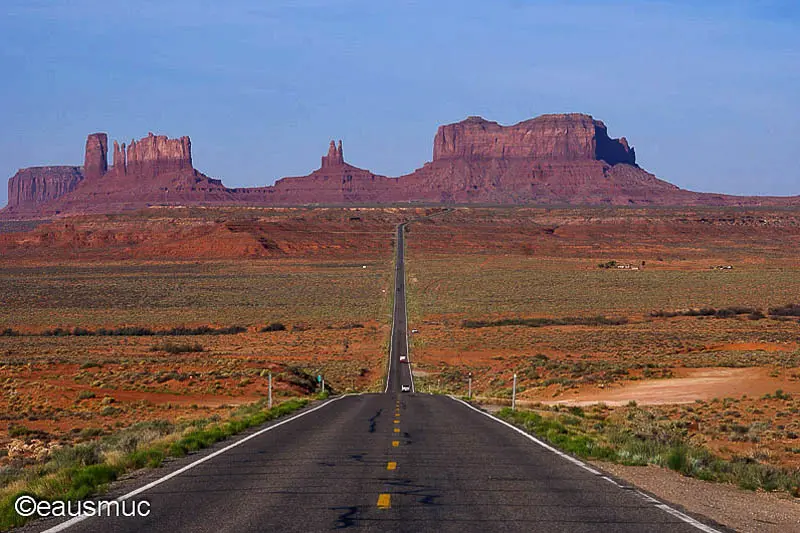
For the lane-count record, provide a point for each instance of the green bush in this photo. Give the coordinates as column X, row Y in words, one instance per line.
column 77, row 472
column 645, row 440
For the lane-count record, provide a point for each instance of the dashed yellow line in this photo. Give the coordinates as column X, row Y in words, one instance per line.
column 396, row 421
column 384, row 501
column 397, row 430
column 391, row 465
column 395, row 443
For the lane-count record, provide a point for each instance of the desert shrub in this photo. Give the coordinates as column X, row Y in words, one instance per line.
column 643, row 439
column 8, row 332
column 175, row 348
column 780, row 395
column 231, row 330
column 126, row 331
column 86, row 480
column 18, row 430
column 607, row 264
column 72, row 456
column 275, row 326
column 57, row 332
column 785, row 310
column 541, row 322
column 724, row 312
column 85, row 395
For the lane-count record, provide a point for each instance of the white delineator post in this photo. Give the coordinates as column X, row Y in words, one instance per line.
column 269, row 400
column 469, row 387
column 514, row 394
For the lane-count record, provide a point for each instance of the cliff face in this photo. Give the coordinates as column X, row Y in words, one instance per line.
column 335, row 182
column 32, row 187
column 152, row 156
column 571, row 137
column 551, row 159
column 152, row 170
column 95, row 161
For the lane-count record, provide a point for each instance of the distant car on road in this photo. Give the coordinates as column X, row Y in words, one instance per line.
column 403, row 359
column 414, row 331
column 405, row 388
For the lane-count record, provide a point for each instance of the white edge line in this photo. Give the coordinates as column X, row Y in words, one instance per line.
column 659, row 504
column 75, row 520
column 405, row 308
column 391, row 339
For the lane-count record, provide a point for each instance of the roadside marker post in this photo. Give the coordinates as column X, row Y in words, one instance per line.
column 469, row 387
column 269, row 400
column 514, row 394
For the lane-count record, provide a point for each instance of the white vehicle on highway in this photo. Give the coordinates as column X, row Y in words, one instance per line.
column 405, row 388
column 403, row 359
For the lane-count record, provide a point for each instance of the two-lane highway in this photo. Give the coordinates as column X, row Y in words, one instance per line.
column 399, row 371
column 390, row 462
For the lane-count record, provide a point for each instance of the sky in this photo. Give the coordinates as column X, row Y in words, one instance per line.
column 707, row 92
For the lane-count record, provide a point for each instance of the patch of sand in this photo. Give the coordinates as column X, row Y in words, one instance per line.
column 698, row 384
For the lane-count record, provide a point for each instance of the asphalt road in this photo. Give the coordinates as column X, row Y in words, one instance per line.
column 399, row 373
column 391, row 462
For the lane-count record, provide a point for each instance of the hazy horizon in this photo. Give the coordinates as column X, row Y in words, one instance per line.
column 706, row 94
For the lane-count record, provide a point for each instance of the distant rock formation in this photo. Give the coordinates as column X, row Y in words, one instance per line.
column 33, row 187
column 570, row 137
column 152, row 156
column 335, row 182
column 95, row 161
column 551, row 159
column 335, row 156
column 152, row 170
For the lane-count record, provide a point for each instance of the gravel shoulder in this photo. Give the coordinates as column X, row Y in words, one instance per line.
column 742, row 510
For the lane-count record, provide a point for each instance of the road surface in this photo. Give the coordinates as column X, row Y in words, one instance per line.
column 389, row 462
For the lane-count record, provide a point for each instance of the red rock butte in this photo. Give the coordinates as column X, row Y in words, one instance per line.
column 551, row 159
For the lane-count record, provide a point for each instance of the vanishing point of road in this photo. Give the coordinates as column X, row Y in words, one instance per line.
column 396, row 461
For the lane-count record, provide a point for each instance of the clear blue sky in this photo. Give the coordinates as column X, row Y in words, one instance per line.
column 708, row 92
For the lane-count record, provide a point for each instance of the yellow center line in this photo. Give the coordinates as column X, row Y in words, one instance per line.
column 384, row 501
column 391, row 465
column 396, row 421
column 397, row 430
column 395, row 443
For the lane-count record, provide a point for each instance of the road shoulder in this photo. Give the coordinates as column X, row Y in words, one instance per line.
column 742, row 510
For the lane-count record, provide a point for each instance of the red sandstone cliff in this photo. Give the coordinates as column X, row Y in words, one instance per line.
column 33, row 187
column 152, row 170
column 571, row 137
column 95, row 160
column 551, row 159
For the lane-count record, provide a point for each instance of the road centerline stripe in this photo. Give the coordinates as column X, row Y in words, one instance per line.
column 391, row 465
column 384, row 501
